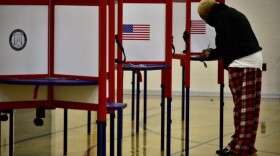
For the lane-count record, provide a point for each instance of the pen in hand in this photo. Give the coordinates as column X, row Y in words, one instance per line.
column 206, row 52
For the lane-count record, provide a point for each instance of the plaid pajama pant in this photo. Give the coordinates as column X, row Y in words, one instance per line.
column 245, row 85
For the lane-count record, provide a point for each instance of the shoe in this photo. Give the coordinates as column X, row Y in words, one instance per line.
column 252, row 152
column 225, row 152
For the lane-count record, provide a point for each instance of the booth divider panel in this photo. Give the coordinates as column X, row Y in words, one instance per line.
column 23, row 40
column 144, row 32
column 76, row 49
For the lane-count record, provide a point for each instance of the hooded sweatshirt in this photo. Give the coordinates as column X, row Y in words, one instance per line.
column 234, row 35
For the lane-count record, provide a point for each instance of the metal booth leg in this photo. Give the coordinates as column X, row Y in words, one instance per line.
column 65, row 125
column 162, row 117
column 183, row 93
column 88, row 122
column 221, row 115
column 137, row 102
column 112, row 134
column 120, row 132
column 169, row 121
column 187, row 122
column 133, row 95
column 145, row 98
column 11, row 133
column 101, row 138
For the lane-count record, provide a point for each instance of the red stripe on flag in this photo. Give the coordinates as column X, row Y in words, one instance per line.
column 198, row 27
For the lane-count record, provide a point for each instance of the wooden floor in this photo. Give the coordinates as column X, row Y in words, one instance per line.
column 47, row 140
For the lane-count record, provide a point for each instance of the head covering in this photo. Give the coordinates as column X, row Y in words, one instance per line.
column 205, row 7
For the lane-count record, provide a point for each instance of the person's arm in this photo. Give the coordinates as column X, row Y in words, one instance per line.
column 225, row 36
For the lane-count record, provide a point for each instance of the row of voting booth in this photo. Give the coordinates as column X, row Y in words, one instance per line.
column 64, row 53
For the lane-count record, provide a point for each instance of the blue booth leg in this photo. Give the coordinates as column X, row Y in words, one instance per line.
column 162, row 117
column 183, row 93
column 101, row 138
column 137, row 103
column 111, row 106
column 11, row 134
column 133, row 96
column 65, row 126
column 88, row 122
column 187, row 121
column 169, row 121
column 120, row 132
column 145, row 98
column 112, row 134
column 221, row 115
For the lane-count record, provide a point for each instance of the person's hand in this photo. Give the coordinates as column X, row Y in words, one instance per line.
column 205, row 53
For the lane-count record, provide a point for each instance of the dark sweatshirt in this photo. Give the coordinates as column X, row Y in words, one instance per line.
column 234, row 35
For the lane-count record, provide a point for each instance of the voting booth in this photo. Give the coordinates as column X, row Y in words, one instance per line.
column 53, row 55
column 200, row 36
column 145, row 44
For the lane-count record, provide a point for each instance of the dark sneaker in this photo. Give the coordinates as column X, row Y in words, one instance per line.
column 225, row 152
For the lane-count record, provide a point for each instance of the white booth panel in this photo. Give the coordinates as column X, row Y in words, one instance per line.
column 76, row 40
column 11, row 93
column 200, row 39
column 85, row 94
column 144, row 30
column 23, row 39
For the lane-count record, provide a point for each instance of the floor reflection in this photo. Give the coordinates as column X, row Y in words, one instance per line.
column 47, row 140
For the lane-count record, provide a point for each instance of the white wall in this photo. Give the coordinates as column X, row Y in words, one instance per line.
column 265, row 20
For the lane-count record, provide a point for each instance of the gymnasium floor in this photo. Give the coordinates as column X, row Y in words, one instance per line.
column 47, row 140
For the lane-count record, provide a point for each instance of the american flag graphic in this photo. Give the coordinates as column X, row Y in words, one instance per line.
column 198, row 27
column 136, row 31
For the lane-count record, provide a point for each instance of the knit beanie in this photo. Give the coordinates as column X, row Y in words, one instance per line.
column 205, row 7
